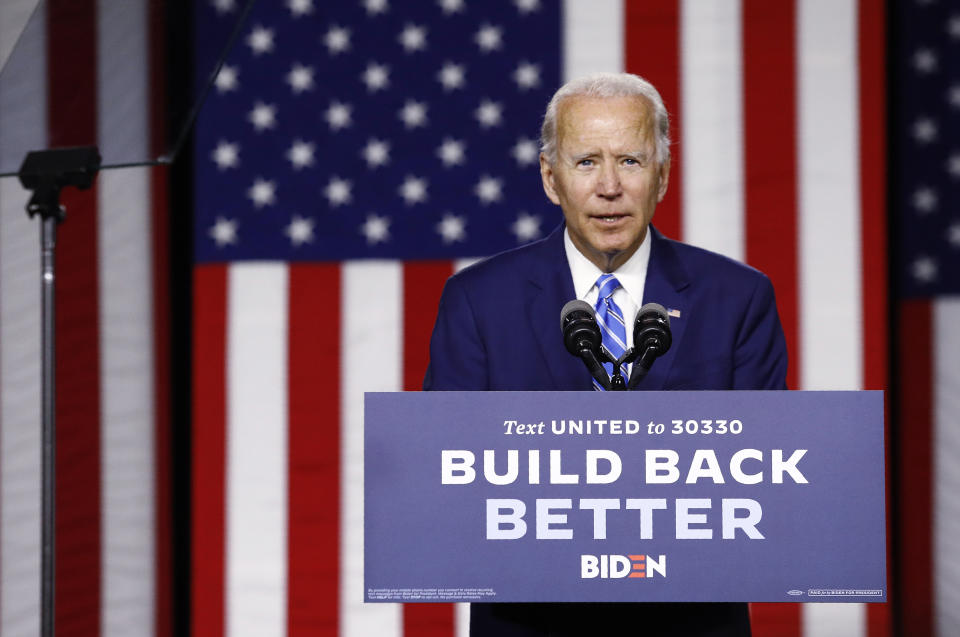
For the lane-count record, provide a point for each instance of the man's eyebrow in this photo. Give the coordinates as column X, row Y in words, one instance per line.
column 581, row 156
column 639, row 155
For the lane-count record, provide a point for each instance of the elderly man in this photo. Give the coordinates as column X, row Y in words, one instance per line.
column 605, row 161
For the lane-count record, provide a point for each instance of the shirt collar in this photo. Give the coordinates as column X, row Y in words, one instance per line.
column 632, row 275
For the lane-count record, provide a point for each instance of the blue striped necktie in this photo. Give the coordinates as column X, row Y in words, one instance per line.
column 612, row 325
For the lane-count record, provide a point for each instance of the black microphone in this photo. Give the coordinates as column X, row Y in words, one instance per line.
column 582, row 338
column 651, row 338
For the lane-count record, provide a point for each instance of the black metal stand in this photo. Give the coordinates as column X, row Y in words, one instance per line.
column 46, row 172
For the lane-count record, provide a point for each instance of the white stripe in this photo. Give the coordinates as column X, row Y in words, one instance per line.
column 372, row 344
column 834, row 620
column 831, row 330
column 946, row 445
column 256, row 573
column 461, row 620
column 22, row 123
column 712, row 130
column 126, row 328
column 592, row 37
column 831, row 333
column 460, row 264
column 13, row 19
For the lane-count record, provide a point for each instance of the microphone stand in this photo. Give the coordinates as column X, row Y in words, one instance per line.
column 46, row 172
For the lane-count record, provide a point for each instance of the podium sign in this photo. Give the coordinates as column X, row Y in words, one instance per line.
column 624, row 496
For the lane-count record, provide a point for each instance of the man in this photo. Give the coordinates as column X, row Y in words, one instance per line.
column 605, row 161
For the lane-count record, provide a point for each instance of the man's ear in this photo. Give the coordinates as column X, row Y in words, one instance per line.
column 546, row 175
column 664, row 180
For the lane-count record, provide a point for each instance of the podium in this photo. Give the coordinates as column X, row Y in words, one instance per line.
column 752, row 496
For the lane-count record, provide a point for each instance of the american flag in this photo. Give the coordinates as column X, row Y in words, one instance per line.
column 926, row 201
column 779, row 112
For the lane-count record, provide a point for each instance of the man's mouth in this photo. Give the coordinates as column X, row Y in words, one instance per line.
column 611, row 218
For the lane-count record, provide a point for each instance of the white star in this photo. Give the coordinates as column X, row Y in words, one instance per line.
column 413, row 38
column 488, row 189
column 489, row 113
column 527, row 76
column 376, row 229
column 526, row 227
column 300, row 154
column 376, row 153
column 413, row 190
column 260, row 40
column 226, row 79
column 925, row 130
column 262, row 193
column 300, row 78
column 337, row 191
column 489, row 38
column 263, row 116
column 224, row 6
column 525, row 151
column 953, row 235
column 953, row 96
column 953, row 165
column 337, row 40
column 413, row 114
column 375, row 7
column 924, row 269
column 226, row 155
column 953, row 27
column 451, row 152
column 376, row 76
column 452, row 228
column 300, row 8
column 925, row 61
column 527, row 6
column 338, row 115
column 451, row 76
column 925, row 199
column 223, row 231
column 451, row 6
column 300, row 230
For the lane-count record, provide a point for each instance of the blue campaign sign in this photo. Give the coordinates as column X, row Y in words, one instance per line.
column 624, row 496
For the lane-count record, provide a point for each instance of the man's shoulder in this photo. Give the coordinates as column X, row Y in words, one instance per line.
column 705, row 266
column 512, row 266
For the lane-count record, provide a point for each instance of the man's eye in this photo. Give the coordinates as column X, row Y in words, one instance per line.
column 630, row 161
column 585, row 162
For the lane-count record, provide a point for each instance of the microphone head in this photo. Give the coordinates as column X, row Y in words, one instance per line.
column 579, row 326
column 652, row 329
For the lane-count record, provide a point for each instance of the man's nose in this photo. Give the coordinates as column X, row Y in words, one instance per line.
column 608, row 182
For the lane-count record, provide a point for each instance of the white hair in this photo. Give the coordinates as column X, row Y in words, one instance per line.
column 606, row 85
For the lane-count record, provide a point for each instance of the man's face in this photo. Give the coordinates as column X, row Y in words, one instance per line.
column 606, row 178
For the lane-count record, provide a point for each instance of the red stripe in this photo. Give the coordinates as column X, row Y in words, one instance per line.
column 652, row 37
column 314, row 451
column 770, row 149
column 160, row 244
column 872, row 89
column 422, row 285
column 770, row 196
column 914, row 444
column 209, row 449
column 71, row 59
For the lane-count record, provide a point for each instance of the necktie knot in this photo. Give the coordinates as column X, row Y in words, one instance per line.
column 607, row 284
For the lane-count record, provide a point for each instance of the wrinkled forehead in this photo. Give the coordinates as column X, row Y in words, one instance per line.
column 622, row 120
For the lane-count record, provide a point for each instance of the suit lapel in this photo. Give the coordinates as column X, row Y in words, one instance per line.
column 666, row 284
column 549, row 287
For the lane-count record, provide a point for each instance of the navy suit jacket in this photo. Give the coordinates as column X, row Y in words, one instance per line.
column 498, row 324
column 498, row 328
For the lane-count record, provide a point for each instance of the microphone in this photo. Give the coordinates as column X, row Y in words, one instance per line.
column 651, row 338
column 582, row 338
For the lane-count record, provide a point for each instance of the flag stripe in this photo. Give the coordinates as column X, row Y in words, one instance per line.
column 72, row 30
column 371, row 312
column 422, row 284
column 209, row 450
column 770, row 165
column 592, row 37
column 314, row 451
column 946, row 504
column 652, row 45
column 20, row 338
column 256, row 468
column 126, row 328
column 710, row 61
